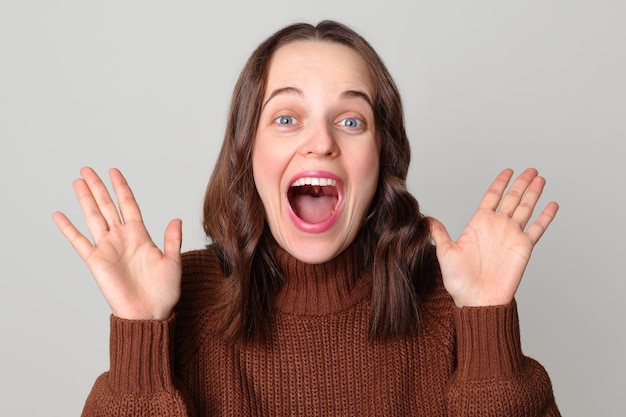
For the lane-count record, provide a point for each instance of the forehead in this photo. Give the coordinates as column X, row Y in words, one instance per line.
column 322, row 61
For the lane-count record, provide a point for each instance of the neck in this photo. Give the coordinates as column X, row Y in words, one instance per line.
column 320, row 289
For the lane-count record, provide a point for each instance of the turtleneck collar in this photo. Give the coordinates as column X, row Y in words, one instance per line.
column 321, row 289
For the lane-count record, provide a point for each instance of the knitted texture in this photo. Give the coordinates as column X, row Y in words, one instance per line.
column 318, row 360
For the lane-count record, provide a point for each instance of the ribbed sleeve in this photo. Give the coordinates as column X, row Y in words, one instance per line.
column 140, row 381
column 488, row 341
column 493, row 378
column 140, row 356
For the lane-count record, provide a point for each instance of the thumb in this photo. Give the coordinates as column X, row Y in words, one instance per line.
column 173, row 239
column 438, row 233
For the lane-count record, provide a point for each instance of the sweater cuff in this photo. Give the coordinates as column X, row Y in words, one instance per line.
column 140, row 355
column 488, row 341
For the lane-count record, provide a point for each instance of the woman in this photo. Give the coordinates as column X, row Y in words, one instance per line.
column 321, row 293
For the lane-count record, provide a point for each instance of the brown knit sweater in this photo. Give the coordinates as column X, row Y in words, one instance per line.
column 318, row 360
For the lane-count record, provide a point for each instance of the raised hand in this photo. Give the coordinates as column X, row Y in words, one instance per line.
column 138, row 280
column 485, row 265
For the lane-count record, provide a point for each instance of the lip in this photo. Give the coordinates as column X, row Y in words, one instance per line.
column 329, row 222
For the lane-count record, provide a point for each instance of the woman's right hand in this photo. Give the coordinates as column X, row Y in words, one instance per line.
column 138, row 280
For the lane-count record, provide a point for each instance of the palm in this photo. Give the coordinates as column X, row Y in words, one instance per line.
column 138, row 280
column 120, row 264
column 485, row 265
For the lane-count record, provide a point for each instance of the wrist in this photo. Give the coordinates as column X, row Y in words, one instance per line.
column 143, row 314
column 481, row 300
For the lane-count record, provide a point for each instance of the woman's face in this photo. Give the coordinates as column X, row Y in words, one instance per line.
column 316, row 152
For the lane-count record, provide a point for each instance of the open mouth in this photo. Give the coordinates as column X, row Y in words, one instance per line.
column 314, row 199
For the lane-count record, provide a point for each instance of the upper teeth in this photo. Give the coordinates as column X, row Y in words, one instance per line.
column 314, row 181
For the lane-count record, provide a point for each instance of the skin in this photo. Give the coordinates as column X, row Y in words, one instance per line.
column 316, row 121
column 140, row 281
column 485, row 265
column 137, row 279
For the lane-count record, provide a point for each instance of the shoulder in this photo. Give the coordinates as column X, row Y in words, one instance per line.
column 200, row 261
column 437, row 313
column 202, row 274
column 201, row 280
column 201, row 265
column 436, row 302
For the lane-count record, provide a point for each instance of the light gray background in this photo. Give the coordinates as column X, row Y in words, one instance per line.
column 145, row 86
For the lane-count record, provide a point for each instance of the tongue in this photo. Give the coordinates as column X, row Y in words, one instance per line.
column 314, row 209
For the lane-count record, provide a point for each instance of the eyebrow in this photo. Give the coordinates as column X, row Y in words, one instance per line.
column 284, row 90
column 295, row 91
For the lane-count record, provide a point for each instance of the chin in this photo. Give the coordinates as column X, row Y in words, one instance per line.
column 313, row 251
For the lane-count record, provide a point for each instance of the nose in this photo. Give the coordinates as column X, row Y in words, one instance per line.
column 319, row 141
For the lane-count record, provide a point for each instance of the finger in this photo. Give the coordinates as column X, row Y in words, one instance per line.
column 492, row 197
column 79, row 242
column 538, row 228
column 96, row 222
column 438, row 233
column 525, row 209
column 101, row 195
column 511, row 200
column 173, row 240
column 129, row 208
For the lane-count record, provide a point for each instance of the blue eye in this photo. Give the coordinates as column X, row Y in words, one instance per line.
column 351, row 122
column 286, row 120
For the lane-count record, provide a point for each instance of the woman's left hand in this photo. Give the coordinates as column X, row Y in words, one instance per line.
column 485, row 265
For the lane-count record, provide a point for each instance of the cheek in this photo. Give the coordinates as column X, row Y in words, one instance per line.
column 368, row 174
column 267, row 171
column 257, row 172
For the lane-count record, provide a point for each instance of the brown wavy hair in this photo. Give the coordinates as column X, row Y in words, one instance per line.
column 393, row 241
